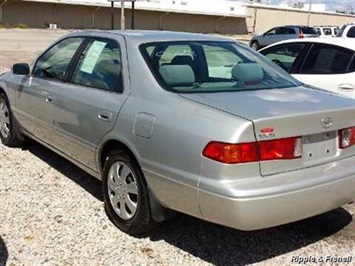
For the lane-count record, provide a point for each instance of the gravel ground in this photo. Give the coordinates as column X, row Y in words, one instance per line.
column 51, row 213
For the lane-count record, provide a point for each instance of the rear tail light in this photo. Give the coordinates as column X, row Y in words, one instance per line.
column 301, row 36
column 231, row 153
column 346, row 137
column 290, row 148
column 280, row 149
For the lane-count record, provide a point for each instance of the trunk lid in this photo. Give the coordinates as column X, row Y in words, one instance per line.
column 314, row 115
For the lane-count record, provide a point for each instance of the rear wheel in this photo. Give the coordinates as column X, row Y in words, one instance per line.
column 255, row 45
column 9, row 131
column 126, row 195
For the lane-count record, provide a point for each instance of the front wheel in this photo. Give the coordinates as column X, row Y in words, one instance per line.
column 9, row 131
column 126, row 195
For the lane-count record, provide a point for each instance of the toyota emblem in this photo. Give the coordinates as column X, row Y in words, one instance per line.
column 327, row 122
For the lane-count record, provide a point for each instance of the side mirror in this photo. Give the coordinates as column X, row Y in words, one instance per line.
column 21, row 69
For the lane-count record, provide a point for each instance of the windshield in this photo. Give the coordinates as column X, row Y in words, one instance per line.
column 194, row 66
column 340, row 32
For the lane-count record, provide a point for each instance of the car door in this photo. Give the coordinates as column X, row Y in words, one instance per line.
column 285, row 55
column 35, row 97
column 87, row 108
column 329, row 67
column 269, row 37
column 283, row 33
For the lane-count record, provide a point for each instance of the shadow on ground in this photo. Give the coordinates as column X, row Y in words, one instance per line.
column 86, row 181
column 213, row 243
column 4, row 254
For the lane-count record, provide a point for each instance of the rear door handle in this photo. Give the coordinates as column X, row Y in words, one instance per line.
column 346, row 87
column 105, row 115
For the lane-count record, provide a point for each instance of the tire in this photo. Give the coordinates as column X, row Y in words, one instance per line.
column 126, row 195
column 255, row 45
column 9, row 130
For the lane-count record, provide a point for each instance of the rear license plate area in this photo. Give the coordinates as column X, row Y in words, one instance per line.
column 317, row 147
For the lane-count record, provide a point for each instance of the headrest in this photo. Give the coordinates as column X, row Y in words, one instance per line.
column 247, row 72
column 176, row 75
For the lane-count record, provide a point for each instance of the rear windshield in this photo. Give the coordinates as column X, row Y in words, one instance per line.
column 195, row 66
column 308, row 30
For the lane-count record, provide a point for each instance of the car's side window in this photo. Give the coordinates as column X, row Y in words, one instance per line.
column 318, row 31
column 54, row 63
column 280, row 31
column 283, row 31
column 100, row 66
column 284, row 55
column 291, row 31
column 351, row 32
column 272, row 31
column 327, row 59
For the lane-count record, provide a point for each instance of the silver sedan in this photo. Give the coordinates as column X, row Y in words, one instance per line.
column 184, row 122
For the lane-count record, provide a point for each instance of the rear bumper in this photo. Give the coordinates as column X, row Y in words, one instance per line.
column 280, row 199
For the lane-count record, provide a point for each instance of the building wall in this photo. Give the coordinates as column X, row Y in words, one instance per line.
column 265, row 18
column 39, row 15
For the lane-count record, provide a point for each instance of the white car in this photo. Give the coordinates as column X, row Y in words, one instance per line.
column 327, row 31
column 327, row 63
column 347, row 31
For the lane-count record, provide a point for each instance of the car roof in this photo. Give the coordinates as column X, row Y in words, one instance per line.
column 343, row 42
column 144, row 36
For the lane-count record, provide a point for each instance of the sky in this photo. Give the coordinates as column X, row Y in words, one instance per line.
column 332, row 5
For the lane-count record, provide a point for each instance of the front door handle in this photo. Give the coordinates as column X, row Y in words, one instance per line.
column 105, row 115
column 47, row 96
column 346, row 87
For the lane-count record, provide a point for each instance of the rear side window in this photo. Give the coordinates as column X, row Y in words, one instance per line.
column 308, row 30
column 284, row 55
column 327, row 59
column 291, row 31
column 54, row 63
column 327, row 31
column 100, row 66
column 351, row 32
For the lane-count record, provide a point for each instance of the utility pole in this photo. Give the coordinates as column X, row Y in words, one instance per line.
column 132, row 14
column 122, row 16
column 112, row 15
column 309, row 13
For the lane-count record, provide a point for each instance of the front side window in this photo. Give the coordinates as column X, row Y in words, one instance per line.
column 100, row 66
column 54, row 63
column 284, row 55
column 271, row 32
column 217, row 66
column 327, row 59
